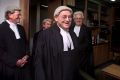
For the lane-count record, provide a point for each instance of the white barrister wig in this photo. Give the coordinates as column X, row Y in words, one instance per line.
column 62, row 8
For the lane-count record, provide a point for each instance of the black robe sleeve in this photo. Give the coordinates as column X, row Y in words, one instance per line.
column 39, row 58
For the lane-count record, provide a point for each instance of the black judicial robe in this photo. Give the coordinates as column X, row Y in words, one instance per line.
column 85, row 49
column 12, row 49
column 51, row 62
column 33, row 51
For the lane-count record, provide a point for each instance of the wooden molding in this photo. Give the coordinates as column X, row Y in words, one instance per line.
column 24, row 5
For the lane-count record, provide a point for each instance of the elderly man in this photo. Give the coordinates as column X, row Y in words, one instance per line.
column 85, row 43
column 46, row 23
column 56, row 56
column 13, row 48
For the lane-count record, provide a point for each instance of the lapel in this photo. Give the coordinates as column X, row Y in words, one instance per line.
column 57, row 38
column 20, row 31
column 81, row 32
column 74, row 38
column 9, row 31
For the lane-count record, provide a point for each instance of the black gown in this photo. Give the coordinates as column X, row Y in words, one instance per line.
column 51, row 62
column 85, row 49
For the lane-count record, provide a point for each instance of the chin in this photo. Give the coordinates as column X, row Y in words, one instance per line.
column 67, row 27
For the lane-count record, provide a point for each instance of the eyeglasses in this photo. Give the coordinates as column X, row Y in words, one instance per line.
column 78, row 18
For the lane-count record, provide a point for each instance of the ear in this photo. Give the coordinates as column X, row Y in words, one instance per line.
column 10, row 15
column 55, row 18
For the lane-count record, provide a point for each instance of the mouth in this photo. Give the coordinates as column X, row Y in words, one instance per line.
column 67, row 24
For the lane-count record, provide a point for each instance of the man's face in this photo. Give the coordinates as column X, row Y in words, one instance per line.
column 64, row 19
column 78, row 20
column 15, row 17
column 47, row 25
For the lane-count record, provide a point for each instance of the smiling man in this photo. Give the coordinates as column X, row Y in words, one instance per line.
column 56, row 56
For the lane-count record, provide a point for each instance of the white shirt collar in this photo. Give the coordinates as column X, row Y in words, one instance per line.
column 14, row 29
column 77, row 30
column 67, row 40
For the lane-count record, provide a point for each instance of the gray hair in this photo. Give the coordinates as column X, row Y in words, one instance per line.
column 11, row 10
column 61, row 8
column 47, row 19
column 78, row 12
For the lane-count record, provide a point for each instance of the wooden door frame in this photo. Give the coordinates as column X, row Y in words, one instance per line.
column 24, row 5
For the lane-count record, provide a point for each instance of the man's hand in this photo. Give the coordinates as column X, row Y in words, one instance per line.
column 25, row 58
column 23, row 61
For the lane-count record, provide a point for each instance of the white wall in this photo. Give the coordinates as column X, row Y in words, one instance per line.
column 4, row 4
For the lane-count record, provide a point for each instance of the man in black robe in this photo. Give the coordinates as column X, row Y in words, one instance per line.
column 13, row 48
column 56, row 56
column 46, row 23
column 85, row 43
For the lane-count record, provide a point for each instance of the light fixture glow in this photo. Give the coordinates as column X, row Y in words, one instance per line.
column 44, row 6
column 113, row 0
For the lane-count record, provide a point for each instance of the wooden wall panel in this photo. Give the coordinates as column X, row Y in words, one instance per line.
column 101, row 54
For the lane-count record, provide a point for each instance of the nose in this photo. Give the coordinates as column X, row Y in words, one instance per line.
column 68, row 18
